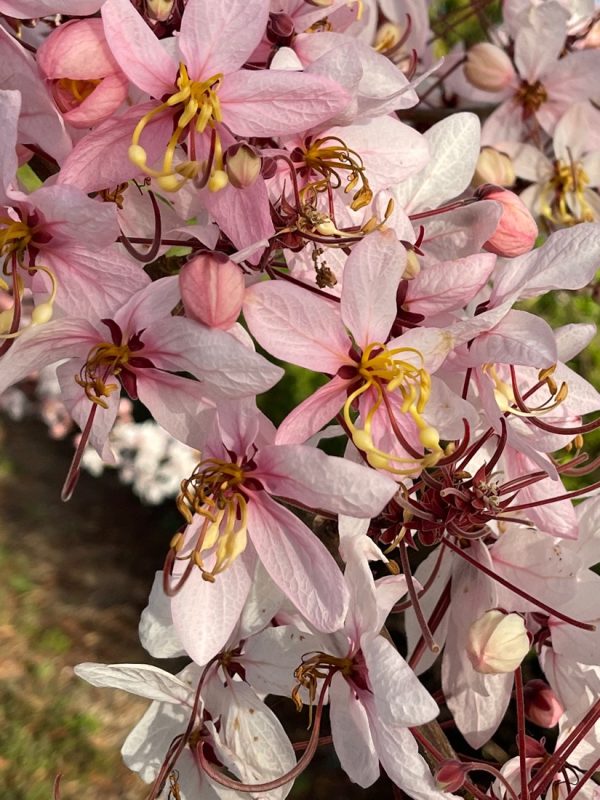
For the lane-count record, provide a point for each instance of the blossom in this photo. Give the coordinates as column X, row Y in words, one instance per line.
column 141, row 348
column 86, row 82
column 311, row 332
column 233, row 519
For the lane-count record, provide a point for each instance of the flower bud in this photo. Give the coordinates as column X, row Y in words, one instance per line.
column 212, row 290
column 497, row 642
column 450, row 775
column 493, row 167
column 242, row 164
column 488, row 67
column 516, row 232
column 542, row 706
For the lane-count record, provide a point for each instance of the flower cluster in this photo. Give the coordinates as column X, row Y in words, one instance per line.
column 230, row 185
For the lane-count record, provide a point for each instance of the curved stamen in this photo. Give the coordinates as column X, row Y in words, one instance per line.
column 218, row 777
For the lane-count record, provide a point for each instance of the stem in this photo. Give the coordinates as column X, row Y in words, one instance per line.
column 147, row 258
column 412, row 592
column 436, row 617
column 521, row 733
column 537, row 785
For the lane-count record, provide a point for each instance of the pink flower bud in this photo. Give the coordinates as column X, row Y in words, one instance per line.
column 541, row 704
column 497, row 642
column 493, row 167
column 212, row 290
column 517, row 231
column 242, row 164
column 450, row 775
column 533, row 748
column 86, row 82
column 488, row 67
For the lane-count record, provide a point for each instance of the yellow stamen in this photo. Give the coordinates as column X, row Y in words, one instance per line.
column 103, row 360
column 382, row 370
column 213, row 492
column 197, row 103
column 563, row 197
column 328, row 159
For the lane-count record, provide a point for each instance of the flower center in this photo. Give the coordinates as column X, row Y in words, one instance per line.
column 563, row 197
column 15, row 236
column 315, row 667
column 73, row 92
column 386, row 371
column 329, row 156
column 531, row 96
column 214, row 492
column 198, row 106
column 103, row 360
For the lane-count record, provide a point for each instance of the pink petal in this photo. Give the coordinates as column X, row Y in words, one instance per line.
column 277, row 103
column 179, row 405
column 10, row 107
column 46, row 344
column 314, row 412
column 137, row 50
column 100, row 160
column 449, row 285
column 76, row 50
column 520, row 338
column 220, row 37
column 298, row 563
column 309, row 476
column 399, row 696
column 226, row 367
column 371, row 277
column 205, row 614
column 69, row 215
column 31, row 9
column 242, row 214
column 93, row 282
column 351, row 734
column 297, row 326
column 39, row 121
column 106, row 98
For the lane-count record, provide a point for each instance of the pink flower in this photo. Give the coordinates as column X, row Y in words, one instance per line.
column 86, row 81
column 229, row 503
column 386, row 378
column 140, row 347
column 210, row 98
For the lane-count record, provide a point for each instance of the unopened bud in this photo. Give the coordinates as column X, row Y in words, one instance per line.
column 212, row 290
column 488, row 67
column 243, row 165
column 280, row 28
column 160, row 10
column 450, row 775
column 497, row 642
column 542, row 706
column 516, row 232
column 493, row 167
